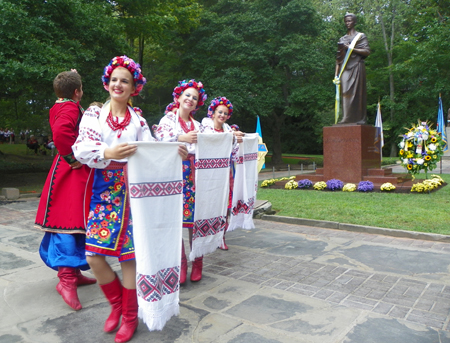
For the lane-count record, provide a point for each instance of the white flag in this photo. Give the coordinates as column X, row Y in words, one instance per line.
column 379, row 124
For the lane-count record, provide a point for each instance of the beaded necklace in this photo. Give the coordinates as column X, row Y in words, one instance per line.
column 184, row 126
column 114, row 124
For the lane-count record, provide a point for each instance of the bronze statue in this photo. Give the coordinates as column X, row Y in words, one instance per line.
column 448, row 117
column 353, row 77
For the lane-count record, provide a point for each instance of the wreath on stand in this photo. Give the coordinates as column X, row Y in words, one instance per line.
column 421, row 148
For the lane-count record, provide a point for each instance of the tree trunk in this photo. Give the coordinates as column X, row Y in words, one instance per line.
column 391, row 74
column 278, row 122
column 141, row 49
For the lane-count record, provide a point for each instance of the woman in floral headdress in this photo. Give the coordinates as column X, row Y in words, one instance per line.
column 102, row 144
column 219, row 112
column 179, row 125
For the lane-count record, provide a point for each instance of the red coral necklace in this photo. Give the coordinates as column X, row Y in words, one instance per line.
column 184, row 126
column 114, row 124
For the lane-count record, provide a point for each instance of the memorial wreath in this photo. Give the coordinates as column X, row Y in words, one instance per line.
column 421, row 148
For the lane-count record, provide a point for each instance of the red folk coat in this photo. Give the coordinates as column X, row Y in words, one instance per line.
column 65, row 198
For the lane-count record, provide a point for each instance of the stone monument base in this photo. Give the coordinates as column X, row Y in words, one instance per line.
column 352, row 153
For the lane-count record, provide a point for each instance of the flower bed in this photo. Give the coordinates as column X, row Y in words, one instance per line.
column 334, row 185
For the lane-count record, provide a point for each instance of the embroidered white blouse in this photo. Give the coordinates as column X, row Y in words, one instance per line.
column 95, row 136
column 208, row 127
column 169, row 129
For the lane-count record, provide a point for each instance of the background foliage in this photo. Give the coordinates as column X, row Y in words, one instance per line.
column 271, row 58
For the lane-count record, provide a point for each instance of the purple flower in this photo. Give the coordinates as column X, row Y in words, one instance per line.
column 334, row 185
column 365, row 186
column 304, row 183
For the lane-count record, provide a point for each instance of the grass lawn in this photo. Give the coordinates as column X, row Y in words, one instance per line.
column 295, row 160
column 22, row 169
column 410, row 211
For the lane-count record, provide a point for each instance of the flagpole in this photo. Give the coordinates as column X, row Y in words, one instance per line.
column 440, row 128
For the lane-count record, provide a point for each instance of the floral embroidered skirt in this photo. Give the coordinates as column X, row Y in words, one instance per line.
column 188, row 195
column 109, row 229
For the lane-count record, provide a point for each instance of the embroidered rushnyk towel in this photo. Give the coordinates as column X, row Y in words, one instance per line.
column 212, row 179
column 156, row 201
column 245, row 184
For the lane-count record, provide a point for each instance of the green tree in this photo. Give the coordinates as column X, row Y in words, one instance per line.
column 40, row 39
column 155, row 22
column 267, row 57
column 425, row 68
column 155, row 30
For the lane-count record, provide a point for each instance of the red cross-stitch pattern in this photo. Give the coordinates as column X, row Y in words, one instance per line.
column 212, row 163
column 155, row 189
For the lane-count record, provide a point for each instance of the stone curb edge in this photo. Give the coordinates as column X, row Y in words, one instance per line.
column 22, row 196
column 358, row 228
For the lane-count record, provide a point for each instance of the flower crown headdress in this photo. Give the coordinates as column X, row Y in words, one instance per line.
column 129, row 64
column 182, row 86
column 235, row 126
column 217, row 102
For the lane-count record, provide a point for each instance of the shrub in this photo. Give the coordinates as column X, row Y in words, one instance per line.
column 349, row 187
column 305, row 183
column 334, row 185
column 292, row 184
column 365, row 186
column 320, row 185
column 387, row 187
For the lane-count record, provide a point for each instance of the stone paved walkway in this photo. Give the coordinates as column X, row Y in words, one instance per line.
column 385, row 275
column 278, row 283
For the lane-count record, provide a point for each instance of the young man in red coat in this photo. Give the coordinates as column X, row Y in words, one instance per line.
column 64, row 203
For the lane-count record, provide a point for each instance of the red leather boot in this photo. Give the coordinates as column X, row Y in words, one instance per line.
column 84, row 280
column 184, row 266
column 67, row 287
column 113, row 292
column 130, row 319
column 197, row 266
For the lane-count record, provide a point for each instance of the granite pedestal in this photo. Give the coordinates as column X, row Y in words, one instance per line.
column 352, row 153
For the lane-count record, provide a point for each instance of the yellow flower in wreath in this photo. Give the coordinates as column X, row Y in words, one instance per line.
column 434, row 157
column 427, row 158
column 433, row 139
column 410, row 155
column 409, row 166
column 402, row 152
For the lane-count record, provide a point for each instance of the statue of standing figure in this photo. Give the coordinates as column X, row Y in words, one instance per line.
column 353, row 77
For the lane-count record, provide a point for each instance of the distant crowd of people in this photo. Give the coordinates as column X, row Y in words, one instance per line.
column 41, row 148
column 7, row 136
column 40, row 144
